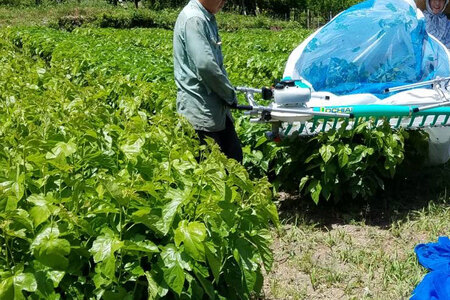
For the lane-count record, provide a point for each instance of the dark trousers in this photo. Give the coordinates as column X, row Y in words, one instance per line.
column 227, row 140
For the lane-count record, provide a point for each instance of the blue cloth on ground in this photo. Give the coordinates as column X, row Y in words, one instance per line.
column 371, row 46
column 434, row 286
column 436, row 258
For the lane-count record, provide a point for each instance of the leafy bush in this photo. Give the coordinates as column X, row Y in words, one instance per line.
column 233, row 22
column 362, row 159
column 103, row 191
column 70, row 22
column 325, row 166
column 125, row 19
column 261, row 62
column 144, row 18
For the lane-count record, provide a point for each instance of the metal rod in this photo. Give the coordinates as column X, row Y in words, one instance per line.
column 302, row 111
column 418, row 84
column 251, row 99
column 335, row 123
column 427, row 107
column 411, row 122
column 252, row 109
column 244, row 89
column 434, row 120
column 249, row 93
column 302, row 127
column 399, row 122
column 314, row 125
column 424, row 119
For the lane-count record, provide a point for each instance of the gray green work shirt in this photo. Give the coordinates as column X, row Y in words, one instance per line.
column 204, row 92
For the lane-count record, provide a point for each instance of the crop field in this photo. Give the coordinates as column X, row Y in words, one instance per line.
column 105, row 192
column 101, row 190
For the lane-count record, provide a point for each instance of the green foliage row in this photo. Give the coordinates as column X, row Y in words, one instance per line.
column 260, row 64
column 104, row 190
column 339, row 165
column 277, row 8
column 69, row 15
column 363, row 159
column 51, row 3
column 132, row 18
column 120, row 18
column 283, row 8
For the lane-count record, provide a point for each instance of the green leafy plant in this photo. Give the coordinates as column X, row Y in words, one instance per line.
column 105, row 191
column 361, row 159
column 325, row 166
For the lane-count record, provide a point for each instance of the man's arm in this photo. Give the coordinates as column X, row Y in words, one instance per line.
column 199, row 50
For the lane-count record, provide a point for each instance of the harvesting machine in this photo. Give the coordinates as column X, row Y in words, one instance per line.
column 375, row 61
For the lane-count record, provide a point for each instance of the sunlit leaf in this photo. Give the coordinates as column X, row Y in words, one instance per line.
column 192, row 236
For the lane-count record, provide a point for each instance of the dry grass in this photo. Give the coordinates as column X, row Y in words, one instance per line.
column 357, row 252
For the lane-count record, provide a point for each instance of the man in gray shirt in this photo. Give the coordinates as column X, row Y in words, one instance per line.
column 204, row 93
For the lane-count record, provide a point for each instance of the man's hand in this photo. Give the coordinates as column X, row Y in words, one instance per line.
column 236, row 105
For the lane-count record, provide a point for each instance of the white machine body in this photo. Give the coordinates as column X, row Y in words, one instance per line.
column 292, row 94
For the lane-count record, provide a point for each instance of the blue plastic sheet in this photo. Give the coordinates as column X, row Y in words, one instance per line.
column 436, row 258
column 434, row 286
column 369, row 47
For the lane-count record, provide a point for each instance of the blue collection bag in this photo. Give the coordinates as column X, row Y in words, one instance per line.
column 371, row 46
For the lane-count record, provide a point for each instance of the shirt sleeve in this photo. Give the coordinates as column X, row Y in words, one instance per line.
column 199, row 50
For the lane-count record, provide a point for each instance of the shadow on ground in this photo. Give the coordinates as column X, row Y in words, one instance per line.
column 410, row 191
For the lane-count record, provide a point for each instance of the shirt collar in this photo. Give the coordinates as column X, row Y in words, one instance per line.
column 208, row 15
